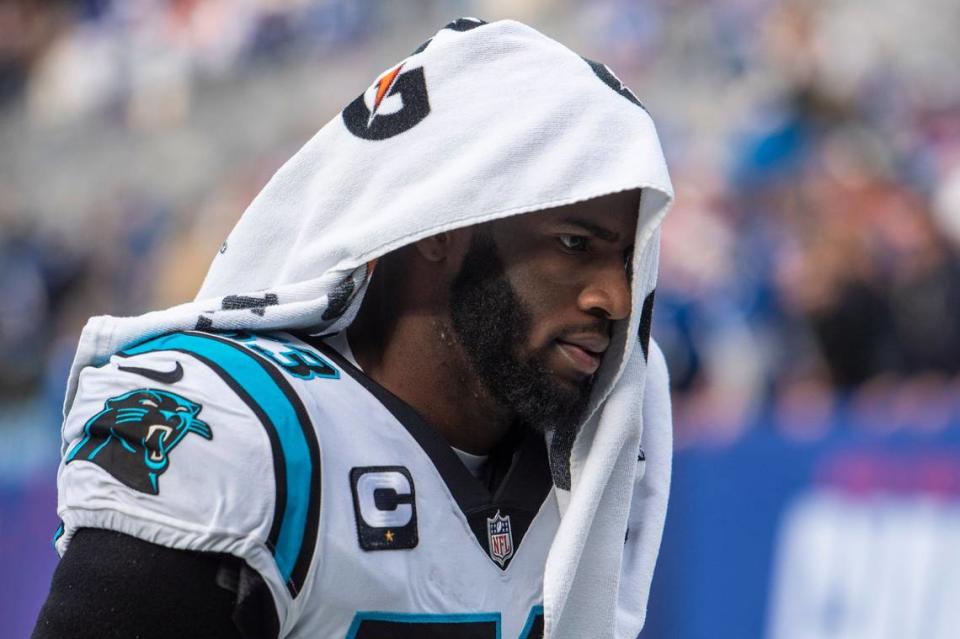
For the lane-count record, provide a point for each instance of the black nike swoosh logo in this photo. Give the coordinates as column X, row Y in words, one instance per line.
column 171, row 377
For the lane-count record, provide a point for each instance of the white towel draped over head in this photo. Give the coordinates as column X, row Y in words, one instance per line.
column 482, row 122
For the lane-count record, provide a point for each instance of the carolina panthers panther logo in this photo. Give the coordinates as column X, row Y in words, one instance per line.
column 131, row 438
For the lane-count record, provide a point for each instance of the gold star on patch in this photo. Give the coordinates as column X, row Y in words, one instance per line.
column 389, row 536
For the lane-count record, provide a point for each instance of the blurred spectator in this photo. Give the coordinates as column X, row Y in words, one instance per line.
column 24, row 309
column 26, row 30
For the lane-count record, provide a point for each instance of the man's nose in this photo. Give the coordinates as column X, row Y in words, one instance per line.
column 607, row 291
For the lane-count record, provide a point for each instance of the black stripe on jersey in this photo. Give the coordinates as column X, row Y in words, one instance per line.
column 302, row 565
column 520, row 463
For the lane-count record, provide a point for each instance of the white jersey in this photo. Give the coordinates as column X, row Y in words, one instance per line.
column 359, row 517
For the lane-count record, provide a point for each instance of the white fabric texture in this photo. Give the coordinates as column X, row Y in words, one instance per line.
column 487, row 121
column 649, row 504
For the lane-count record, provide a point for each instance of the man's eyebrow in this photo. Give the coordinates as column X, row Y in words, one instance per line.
column 595, row 229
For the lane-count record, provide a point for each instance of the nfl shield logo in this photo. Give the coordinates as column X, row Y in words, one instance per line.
column 500, row 538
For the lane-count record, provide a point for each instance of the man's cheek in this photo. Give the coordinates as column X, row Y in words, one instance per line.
column 543, row 313
column 541, row 339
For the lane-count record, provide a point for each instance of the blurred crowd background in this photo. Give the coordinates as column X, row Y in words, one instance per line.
column 811, row 265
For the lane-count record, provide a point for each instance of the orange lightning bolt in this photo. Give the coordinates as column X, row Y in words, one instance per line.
column 384, row 85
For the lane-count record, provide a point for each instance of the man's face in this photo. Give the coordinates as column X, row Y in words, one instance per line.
column 534, row 301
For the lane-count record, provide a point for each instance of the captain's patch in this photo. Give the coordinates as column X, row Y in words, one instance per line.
column 385, row 507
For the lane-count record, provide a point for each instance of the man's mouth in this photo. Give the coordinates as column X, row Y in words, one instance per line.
column 156, row 434
column 584, row 353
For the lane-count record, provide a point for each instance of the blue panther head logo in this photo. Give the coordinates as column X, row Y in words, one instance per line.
column 131, row 438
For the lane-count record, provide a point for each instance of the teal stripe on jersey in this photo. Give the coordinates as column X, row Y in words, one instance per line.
column 536, row 611
column 250, row 375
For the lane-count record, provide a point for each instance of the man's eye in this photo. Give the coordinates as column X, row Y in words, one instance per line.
column 573, row 242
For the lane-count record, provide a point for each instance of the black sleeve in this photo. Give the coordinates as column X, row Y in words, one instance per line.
column 112, row 585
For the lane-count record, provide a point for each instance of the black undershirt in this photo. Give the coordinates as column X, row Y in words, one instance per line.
column 110, row 585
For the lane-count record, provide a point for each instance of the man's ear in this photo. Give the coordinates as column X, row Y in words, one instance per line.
column 434, row 248
column 445, row 250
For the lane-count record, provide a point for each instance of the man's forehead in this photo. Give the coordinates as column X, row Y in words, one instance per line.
column 610, row 217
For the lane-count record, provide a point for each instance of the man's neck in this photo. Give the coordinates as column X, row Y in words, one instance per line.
column 421, row 362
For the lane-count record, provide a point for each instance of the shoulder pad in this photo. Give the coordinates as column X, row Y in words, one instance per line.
column 195, row 441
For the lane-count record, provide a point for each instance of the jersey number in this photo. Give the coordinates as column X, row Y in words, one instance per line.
column 382, row 625
column 299, row 362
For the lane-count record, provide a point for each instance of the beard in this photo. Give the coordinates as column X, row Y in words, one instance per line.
column 492, row 326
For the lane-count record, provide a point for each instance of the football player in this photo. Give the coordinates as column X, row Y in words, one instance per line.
column 397, row 461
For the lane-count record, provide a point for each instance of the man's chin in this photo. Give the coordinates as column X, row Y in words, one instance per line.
column 558, row 403
column 574, row 383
